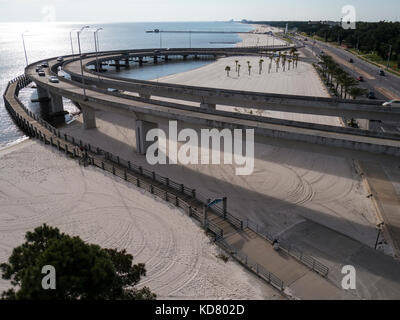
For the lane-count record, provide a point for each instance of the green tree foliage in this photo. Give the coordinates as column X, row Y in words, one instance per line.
column 367, row 37
column 83, row 271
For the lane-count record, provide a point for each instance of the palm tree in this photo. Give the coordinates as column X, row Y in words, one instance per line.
column 238, row 70
column 236, row 62
column 348, row 83
column 289, row 62
column 356, row 92
column 227, row 69
column 250, row 69
column 277, row 63
column 271, row 57
column 260, row 65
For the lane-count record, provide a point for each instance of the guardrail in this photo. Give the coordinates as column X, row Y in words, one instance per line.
column 291, row 249
column 184, row 197
column 252, row 265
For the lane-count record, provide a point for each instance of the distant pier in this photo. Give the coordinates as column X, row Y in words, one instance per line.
column 189, row 31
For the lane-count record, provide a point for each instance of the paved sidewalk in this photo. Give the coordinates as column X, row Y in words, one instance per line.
column 386, row 199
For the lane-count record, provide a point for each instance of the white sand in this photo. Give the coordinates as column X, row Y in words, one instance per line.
column 287, row 185
column 39, row 185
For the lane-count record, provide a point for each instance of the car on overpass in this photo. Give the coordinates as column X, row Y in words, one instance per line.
column 371, row 95
column 53, row 79
column 381, row 73
column 360, row 78
column 392, row 103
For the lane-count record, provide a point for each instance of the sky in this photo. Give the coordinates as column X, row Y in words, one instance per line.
column 190, row 10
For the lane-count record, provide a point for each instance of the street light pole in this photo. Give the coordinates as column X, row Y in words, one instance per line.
column 380, row 226
column 96, row 46
column 80, row 56
column 70, row 38
column 23, row 42
column 390, row 54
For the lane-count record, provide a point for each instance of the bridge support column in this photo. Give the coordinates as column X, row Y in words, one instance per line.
column 89, row 117
column 155, row 59
column 142, row 128
column 127, row 63
column 57, row 105
column 43, row 94
column 140, row 61
column 208, row 106
column 166, row 58
column 117, row 65
column 364, row 124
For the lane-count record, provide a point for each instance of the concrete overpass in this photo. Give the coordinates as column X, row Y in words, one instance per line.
column 210, row 97
column 149, row 113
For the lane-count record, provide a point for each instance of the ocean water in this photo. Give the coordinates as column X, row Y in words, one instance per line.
column 45, row 40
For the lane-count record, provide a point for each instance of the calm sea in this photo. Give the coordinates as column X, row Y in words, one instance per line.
column 49, row 40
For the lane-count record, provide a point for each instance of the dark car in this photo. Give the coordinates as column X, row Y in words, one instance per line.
column 381, row 73
column 42, row 74
column 360, row 78
column 351, row 60
column 371, row 95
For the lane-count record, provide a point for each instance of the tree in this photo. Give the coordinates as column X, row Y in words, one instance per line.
column 227, row 69
column 260, row 65
column 238, row 70
column 83, row 271
column 236, row 63
column 356, row 92
column 249, row 69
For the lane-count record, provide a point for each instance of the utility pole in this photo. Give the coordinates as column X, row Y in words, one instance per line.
column 80, row 55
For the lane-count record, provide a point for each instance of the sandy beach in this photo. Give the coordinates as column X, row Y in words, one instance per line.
column 40, row 185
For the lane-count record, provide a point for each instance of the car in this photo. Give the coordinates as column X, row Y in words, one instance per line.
column 360, row 78
column 371, row 95
column 392, row 103
column 381, row 73
column 39, row 69
column 54, row 79
column 45, row 65
column 60, row 59
column 41, row 74
column 156, row 52
column 351, row 60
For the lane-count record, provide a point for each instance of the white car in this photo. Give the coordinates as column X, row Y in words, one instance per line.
column 54, row 79
column 393, row 103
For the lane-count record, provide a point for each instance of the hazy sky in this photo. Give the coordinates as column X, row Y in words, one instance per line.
column 190, row 10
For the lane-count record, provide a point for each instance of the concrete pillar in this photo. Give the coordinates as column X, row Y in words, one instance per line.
column 208, row 106
column 166, row 58
column 142, row 127
column 205, row 216
column 140, row 61
column 56, row 103
column 117, row 65
column 364, row 124
column 127, row 63
column 89, row 117
column 43, row 94
column 155, row 59
column 185, row 57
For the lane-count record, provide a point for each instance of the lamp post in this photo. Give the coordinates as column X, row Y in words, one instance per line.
column 70, row 38
column 390, row 54
column 23, row 43
column 96, row 47
column 379, row 226
column 80, row 56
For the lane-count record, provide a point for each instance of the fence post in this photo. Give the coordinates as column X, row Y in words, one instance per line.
column 125, row 175
column 151, row 189
column 182, row 188
column 66, row 149
column 58, row 144
column 194, row 193
column 74, row 153
column 129, row 165
column 51, row 141
column 102, row 165
column 225, row 206
column 166, row 196
column 113, row 170
column 190, row 211
column 138, row 182
column 241, row 225
column 141, row 170
column 118, row 159
column 176, row 201
column 167, row 182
